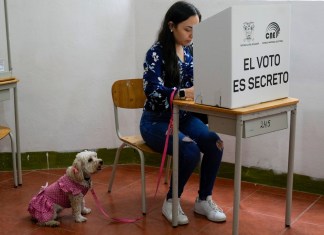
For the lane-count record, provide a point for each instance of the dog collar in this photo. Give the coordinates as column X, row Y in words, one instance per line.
column 87, row 178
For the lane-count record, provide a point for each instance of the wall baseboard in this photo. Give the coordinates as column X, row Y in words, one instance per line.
column 52, row 160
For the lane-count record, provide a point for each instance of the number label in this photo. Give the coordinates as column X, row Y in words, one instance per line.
column 265, row 123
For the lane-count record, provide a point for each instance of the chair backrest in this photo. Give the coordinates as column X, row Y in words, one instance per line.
column 4, row 131
column 128, row 93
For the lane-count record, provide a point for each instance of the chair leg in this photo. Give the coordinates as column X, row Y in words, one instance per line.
column 167, row 170
column 142, row 174
column 143, row 181
column 14, row 162
column 113, row 173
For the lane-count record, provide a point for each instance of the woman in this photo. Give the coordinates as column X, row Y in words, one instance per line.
column 168, row 66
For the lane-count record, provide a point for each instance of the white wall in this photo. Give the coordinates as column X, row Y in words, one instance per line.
column 68, row 53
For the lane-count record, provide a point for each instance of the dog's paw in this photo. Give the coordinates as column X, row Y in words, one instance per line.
column 85, row 211
column 80, row 219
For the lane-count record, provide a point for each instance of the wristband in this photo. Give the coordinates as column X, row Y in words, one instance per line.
column 182, row 94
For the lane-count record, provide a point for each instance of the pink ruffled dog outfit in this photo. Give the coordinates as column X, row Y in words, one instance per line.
column 41, row 207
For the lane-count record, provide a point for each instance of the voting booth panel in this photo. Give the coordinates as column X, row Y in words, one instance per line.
column 242, row 55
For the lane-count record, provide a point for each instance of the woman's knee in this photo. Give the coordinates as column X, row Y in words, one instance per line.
column 220, row 144
column 211, row 138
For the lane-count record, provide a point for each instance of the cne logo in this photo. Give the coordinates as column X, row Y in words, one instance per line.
column 272, row 31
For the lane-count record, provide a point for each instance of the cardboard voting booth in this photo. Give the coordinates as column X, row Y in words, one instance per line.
column 241, row 56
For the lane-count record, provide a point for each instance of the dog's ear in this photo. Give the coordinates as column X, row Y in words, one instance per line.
column 76, row 170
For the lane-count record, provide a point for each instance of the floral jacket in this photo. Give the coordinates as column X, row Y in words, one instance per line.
column 158, row 95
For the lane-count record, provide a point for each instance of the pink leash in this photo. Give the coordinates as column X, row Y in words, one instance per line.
column 120, row 220
column 169, row 131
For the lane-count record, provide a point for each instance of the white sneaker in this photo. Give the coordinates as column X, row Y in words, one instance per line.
column 209, row 208
column 167, row 212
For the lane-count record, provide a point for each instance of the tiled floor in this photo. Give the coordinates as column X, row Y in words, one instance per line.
column 262, row 208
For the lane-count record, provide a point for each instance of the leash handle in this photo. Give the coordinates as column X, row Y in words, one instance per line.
column 120, row 220
column 166, row 144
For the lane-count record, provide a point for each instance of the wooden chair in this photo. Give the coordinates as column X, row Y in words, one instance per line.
column 5, row 131
column 129, row 94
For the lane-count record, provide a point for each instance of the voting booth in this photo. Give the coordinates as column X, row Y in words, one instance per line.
column 242, row 55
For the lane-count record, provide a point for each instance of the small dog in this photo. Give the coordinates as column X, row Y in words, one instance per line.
column 68, row 191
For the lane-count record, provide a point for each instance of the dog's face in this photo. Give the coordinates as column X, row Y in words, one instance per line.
column 85, row 163
column 90, row 163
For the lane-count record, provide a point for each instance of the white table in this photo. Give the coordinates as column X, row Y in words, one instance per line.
column 5, row 86
column 243, row 122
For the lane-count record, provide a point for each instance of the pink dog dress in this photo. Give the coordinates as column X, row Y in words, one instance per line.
column 41, row 207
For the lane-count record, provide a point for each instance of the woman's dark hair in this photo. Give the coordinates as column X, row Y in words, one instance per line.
column 178, row 12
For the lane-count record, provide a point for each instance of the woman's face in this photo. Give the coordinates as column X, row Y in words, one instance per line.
column 183, row 31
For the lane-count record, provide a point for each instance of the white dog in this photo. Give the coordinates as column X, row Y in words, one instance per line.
column 68, row 191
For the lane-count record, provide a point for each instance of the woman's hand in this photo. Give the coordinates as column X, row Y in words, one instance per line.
column 189, row 93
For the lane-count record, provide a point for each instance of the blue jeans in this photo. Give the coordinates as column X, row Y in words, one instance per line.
column 194, row 138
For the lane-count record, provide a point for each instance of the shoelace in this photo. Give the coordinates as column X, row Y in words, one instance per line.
column 214, row 206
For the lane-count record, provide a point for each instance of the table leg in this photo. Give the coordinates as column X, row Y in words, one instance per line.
column 14, row 160
column 290, row 173
column 237, row 175
column 175, row 166
column 17, row 135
